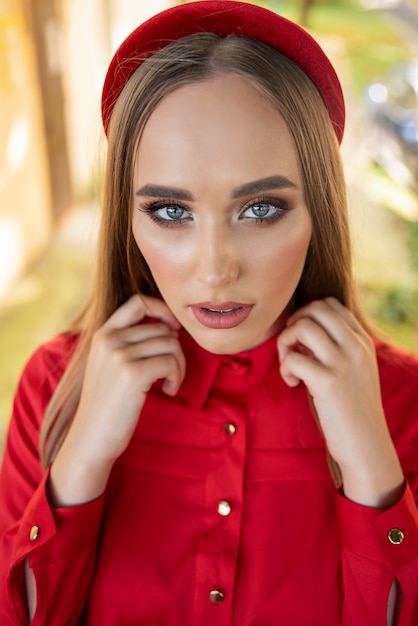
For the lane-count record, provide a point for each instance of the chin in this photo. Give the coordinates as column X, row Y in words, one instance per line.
column 218, row 342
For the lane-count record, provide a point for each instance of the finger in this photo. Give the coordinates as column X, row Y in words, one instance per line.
column 298, row 367
column 136, row 308
column 155, row 346
column 333, row 317
column 141, row 332
column 307, row 337
column 156, row 350
column 173, row 380
column 164, row 367
column 347, row 315
column 169, row 367
column 176, row 374
column 157, row 308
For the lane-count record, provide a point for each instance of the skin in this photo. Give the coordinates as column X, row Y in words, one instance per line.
column 213, row 254
column 339, row 368
column 221, row 253
column 218, row 251
column 229, row 137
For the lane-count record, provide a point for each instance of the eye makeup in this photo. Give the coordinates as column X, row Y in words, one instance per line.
column 170, row 213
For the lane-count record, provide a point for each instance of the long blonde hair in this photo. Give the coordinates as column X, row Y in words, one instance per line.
column 121, row 269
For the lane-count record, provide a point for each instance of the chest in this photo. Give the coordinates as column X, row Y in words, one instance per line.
column 220, row 515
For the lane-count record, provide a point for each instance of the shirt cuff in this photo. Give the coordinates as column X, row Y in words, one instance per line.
column 50, row 534
column 389, row 537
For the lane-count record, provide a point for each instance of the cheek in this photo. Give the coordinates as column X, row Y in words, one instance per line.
column 293, row 259
column 164, row 261
column 284, row 264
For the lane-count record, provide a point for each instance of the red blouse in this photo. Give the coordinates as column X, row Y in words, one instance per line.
column 221, row 510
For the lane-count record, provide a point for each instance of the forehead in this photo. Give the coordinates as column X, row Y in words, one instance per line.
column 216, row 127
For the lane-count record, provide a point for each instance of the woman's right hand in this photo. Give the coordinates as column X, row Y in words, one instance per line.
column 126, row 358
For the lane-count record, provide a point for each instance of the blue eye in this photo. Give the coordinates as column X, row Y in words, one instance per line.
column 167, row 214
column 170, row 213
column 264, row 211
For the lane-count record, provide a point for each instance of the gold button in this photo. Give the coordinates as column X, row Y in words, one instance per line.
column 34, row 533
column 224, row 508
column 396, row 536
column 216, row 596
column 230, row 428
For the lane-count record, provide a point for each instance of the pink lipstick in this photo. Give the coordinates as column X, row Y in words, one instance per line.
column 221, row 315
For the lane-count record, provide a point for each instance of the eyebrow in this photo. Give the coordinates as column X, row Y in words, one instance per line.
column 263, row 184
column 160, row 191
column 255, row 186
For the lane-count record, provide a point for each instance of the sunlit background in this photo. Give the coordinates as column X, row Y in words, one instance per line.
column 53, row 57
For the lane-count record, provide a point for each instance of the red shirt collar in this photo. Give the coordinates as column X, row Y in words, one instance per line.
column 202, row 367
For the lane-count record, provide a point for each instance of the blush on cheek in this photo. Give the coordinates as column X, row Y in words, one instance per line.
column 290, row 261
column 286, row 274
column 167, row 269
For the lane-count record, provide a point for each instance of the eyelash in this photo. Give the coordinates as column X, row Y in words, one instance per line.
column 281, row 206
column 151, row 208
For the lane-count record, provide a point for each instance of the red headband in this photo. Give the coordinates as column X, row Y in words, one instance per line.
column 225, row 17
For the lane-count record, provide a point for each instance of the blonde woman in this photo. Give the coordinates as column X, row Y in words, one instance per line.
column 219, row 438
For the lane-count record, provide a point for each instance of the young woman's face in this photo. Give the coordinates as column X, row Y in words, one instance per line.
column 219, row 212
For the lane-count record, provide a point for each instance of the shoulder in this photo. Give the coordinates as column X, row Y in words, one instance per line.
column 53, row 355
column 399, row 384
column 398, row 368
column 47, row 364
column 37, row 384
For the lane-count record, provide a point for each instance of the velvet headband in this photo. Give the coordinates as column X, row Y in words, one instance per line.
column 225, row 17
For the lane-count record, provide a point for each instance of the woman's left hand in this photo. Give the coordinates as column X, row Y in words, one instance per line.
column 325, row 347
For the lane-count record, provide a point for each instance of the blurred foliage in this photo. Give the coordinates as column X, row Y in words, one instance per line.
column 400, row 305
column 371, row 44
column 394, row 307
column 394, row 310
column 413, row 242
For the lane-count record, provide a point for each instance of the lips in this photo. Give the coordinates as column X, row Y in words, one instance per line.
column 221, row 315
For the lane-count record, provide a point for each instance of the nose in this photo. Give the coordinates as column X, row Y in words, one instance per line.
column 217, row 260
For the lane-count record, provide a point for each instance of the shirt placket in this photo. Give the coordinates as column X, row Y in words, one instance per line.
column 224, row 504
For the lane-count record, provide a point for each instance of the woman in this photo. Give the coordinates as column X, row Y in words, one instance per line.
column 187, row 419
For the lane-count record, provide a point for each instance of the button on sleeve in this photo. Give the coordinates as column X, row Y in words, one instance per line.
column 389, row 537
column 396, row 536
column 52, row 534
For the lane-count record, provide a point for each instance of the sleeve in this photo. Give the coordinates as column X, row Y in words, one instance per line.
column 378, row 548
column 60, row 544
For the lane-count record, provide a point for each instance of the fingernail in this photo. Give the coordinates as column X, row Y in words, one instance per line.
column 175, row 324
column 169, row 388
